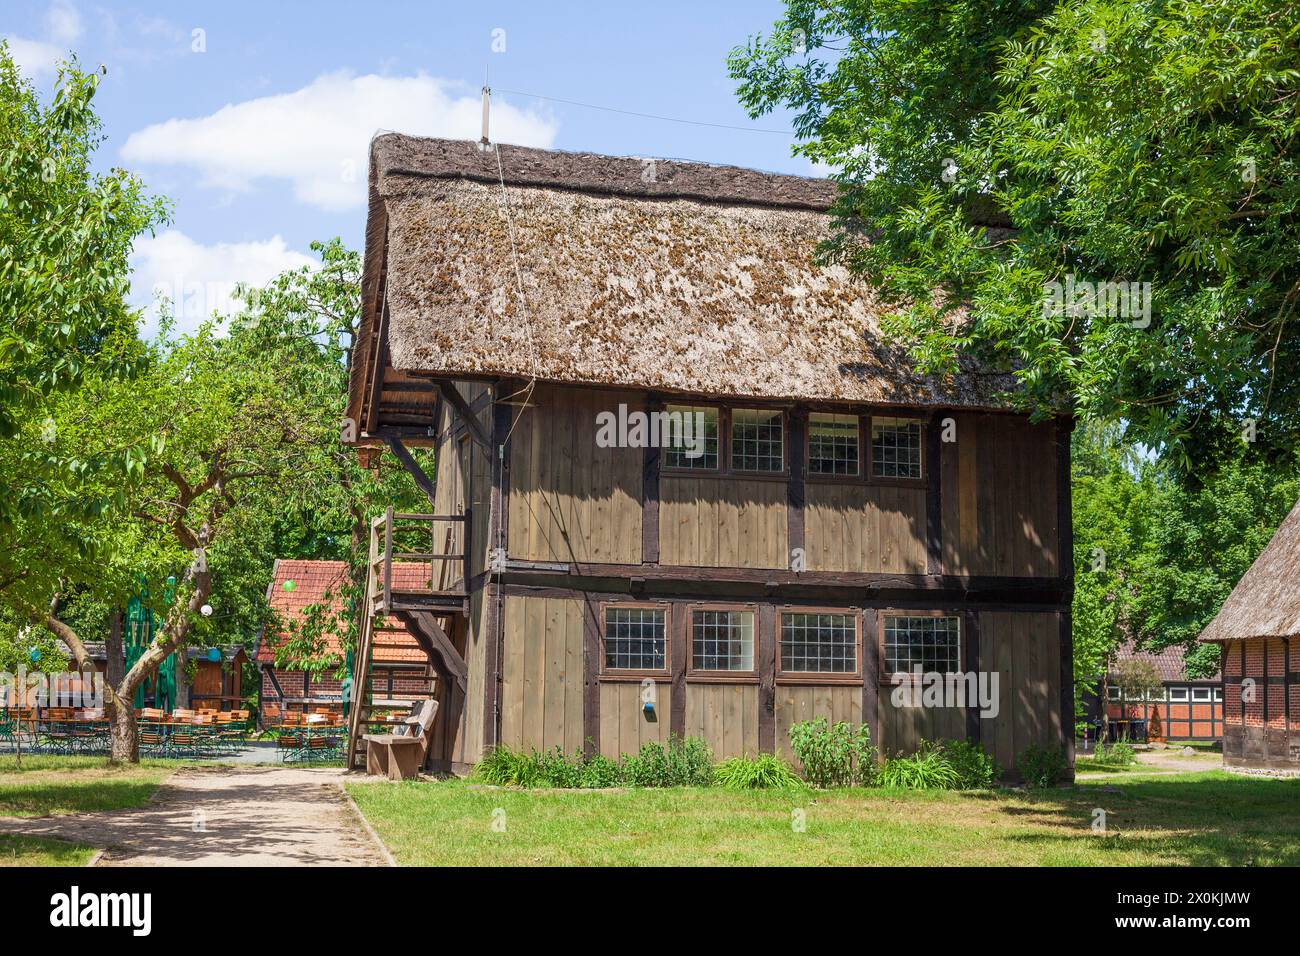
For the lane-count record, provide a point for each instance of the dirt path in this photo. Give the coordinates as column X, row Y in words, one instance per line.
column 224, row 816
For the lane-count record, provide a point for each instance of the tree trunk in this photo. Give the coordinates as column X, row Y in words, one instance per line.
column 115, row 669
column 182, row 678
column 123, row 737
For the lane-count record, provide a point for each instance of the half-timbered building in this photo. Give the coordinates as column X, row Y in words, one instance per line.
column 1258, row 633
column 834, row 520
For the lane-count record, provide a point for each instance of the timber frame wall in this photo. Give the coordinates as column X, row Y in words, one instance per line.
column 562, row 528
column 1261, row 720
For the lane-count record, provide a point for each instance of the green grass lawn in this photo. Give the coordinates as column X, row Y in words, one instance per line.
column 1209, row 819
column 35, row 851
column 49, row 785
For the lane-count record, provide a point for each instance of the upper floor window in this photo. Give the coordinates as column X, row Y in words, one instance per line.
column 692, row 439
column 895, row 448
column 833, row 444
column 929, row 642
column 819, row 642
column 635, row 639
column 722, row 640
column 757, row 443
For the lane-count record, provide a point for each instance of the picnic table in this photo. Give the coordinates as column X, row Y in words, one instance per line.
column 310, row 738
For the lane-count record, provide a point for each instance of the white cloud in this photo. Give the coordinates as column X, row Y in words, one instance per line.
column 200, row 279
column 40, row 58
column 63, row 23
column 35, row 57
column 317, row 137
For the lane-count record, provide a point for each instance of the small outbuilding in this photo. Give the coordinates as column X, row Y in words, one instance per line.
column 1258, row 632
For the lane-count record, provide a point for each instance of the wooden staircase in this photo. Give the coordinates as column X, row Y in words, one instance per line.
column 427, row 610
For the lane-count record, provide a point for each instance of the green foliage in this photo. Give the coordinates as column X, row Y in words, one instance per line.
column 975, row 768
column 65, row 238
column 503, row 767
column 1138, row 679
column 680, row 763
column 1120, row 140
column 928, row 769
column 1041, row 767
column 1116, row 755
column 600, row 773
column 837, row 756
column 764, row 772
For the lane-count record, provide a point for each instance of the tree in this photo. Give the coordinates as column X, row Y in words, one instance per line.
column 1113, row 489
column 65, row 236
column 987, row 150
column 235, row 459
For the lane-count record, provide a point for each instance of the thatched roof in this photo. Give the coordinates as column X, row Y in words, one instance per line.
column 1266, row 601
column 679, row 277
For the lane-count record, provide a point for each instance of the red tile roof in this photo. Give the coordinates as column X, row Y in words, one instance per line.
column 312, row 580
column 1168, row 662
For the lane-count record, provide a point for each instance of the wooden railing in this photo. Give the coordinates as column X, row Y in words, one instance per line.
column 440, row 561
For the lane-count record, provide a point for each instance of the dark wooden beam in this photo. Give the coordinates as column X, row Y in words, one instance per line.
column 590, row 676
column 498, row 537
column 422, row 480
column 1065, row 627
column 933, row 497
column 466, row 414
column 681, row 649
column 1064, row 511
column 650, row 494
column 796, row 496
column 440, row 648
column 970, row 663
column 871, row 674
column 766, row 651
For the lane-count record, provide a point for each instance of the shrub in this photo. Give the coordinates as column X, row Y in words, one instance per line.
column 554, row 769
column 599, row 772
column 1041, row 766
column 1114, row 755
column 835, row 756
column 927, row 769
column 976, row 770
column 764, row 772
column 679, row 763
column 503, row 767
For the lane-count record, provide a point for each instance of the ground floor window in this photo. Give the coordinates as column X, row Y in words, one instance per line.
column 1178, row 695
column 925, row 641
column 819, row 642
column 635, row 639
column 722, row 640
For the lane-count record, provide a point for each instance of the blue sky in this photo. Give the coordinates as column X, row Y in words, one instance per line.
column 253, row 117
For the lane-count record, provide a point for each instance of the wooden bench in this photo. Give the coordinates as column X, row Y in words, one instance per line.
column 399, row 756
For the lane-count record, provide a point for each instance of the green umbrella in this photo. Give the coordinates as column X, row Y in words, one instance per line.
column 164, row 695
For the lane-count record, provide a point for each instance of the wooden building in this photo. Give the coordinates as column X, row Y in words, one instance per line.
column 1185, row 708
column 218, row 677
column 843, row 519
column 1258, row 633
column 400, row 672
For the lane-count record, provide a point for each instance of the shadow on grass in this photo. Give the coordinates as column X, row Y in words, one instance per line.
column 1210, row 819
column 43, row 799
column 40, row 851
